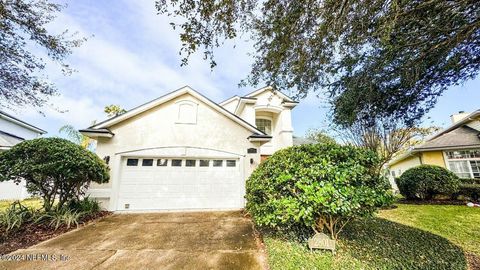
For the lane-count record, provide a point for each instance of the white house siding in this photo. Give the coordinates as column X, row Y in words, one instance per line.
column 17, row 130
column 11, row 191
column 155, row 133
column 270, row 105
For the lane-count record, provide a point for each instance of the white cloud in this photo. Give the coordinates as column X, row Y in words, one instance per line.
column 131, row 58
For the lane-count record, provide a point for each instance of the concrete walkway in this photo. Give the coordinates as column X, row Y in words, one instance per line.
column 189, row 240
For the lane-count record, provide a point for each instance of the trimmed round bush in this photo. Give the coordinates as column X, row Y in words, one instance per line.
column 425, row 181
column 320, row 186
column 55, row 169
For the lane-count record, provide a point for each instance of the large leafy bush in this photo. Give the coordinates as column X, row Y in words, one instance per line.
column 55, row 169
column 425, row 181
column 321, row 186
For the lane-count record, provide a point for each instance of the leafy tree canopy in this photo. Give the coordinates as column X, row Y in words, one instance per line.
column 388, row 137
column 375, row 58
column 319, row 136
column 22, row 31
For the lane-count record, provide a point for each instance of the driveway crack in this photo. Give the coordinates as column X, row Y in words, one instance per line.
column 101, row 262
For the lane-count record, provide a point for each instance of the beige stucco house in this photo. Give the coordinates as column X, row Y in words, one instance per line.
column 184, row 151
column 456, row 148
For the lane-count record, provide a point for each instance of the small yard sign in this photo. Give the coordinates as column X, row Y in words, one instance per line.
column 321, row 241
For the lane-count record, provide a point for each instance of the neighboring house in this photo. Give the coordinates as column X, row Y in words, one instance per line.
column 302, row 140
column 184, row 151
column 13, row 131
column 456, row 148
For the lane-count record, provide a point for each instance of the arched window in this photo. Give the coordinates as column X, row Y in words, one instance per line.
column 187, row 112
column 264, row 125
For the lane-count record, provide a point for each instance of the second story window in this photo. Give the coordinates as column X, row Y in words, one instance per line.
column 264, row 125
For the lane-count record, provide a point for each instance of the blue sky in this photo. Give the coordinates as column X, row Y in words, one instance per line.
column 132, row 57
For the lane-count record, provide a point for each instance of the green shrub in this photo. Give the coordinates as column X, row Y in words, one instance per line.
column 470, row 181
column 15, row 216
column 425, row 181
column 59, row 217
column 469, row 191
column 86, row 206
column 55, row 169
column 321, row 186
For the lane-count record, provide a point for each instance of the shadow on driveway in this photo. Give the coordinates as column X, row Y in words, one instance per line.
column 188, row 240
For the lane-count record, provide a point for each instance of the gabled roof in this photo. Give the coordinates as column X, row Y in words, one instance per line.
column 286, row 99
column 457, row 136
column 8, row 140
column 184, row 90
column 460, row 137
column 269, row 88
column 21, row 123
column 460, row 123
column 229, row 100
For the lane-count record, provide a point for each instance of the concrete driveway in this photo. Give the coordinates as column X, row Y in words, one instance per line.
column 200, row 240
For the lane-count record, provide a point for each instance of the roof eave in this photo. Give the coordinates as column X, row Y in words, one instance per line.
column 426, row 149
column 258, row 91
column 21, row 123
column 92, row 133
column 259, row 138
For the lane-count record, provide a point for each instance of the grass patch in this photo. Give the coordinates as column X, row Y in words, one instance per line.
column 425, row 237
column 457, row 223
column 35, row 203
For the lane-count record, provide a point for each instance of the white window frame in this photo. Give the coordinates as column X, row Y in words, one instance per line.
column 447, row 159
column 266, row 118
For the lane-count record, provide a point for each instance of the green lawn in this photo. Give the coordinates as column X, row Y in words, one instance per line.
column 31, row 202
column 409, row 237
column 457, row 223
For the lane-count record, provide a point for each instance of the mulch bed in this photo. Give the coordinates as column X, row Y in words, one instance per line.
column 433, row 202
column 473, row 261
column 32, row 234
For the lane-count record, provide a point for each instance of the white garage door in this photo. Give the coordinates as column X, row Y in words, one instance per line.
column 180, row 183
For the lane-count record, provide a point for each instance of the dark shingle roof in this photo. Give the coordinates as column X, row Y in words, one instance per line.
column 460, row 137
column 301, row 140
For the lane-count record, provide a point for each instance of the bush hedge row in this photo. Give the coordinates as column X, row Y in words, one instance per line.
column 468, row 192
column 426, row 181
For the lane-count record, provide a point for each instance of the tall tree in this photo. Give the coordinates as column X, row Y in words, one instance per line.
column 75, row 136
column 22, row 32
column 375, row 58
column 319, row 136
column 387, row 137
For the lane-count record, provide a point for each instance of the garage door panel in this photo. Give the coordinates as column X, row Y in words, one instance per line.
column 168, row 187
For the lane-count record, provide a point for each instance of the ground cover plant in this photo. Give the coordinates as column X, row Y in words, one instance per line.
column 410, row 236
